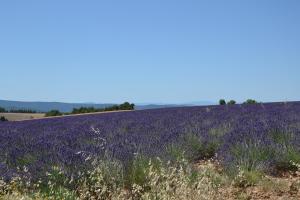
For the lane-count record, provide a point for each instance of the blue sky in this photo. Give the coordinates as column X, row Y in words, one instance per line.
column 163, row 51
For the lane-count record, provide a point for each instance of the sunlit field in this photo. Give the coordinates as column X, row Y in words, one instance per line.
column 196, row 152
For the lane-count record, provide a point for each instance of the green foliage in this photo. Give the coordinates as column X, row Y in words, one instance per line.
column 287, row 154
column 253, row 155
column 210, row 149
column 250, row 101
column 137, row 172
column 127, row 106
column 175, row 153
column 249, row 156
column 53, row 113
column 22, row 111
column 280, row 137
column 85, row 110
column 3, row 119
column 286, row 159
column 26, row 159
column 2, row 110
column 193, row 148
column 246, row 178
column 124, row 106
column 57, row 186
column 111, row 108
column 231, row 102
column 222, row 102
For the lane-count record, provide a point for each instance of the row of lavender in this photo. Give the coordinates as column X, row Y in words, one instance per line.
column 227, row 131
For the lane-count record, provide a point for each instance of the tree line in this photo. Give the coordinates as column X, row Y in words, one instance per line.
column 81, row 110
column 232, row 102
column 3, row 110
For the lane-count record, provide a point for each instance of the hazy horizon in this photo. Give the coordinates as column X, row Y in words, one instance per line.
column 137, row 103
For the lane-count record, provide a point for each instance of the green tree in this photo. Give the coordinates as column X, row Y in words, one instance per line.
column 127, row 106
column 222, row 102
column 231, row 102
column 2, row 110
column 250, row 101
column 53, row 113
column 3, row 119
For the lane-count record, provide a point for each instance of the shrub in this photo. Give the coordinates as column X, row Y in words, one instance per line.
column 194, row 148
column 175, row 153
column 286, row 153
column 85, row 110
column 210, row 149
column 222, row 102
column 273, row 154
column 53, row 113
column 112, row 108
column 137, row 171
column 246, row 178
column 250, row 156
column 231, row 102
column 2, row 110
column 57, row 185
column 286, row 158
column 190, row 148
column 127, row 106
column 124, row 106
column 3, row 119
column 250, row 101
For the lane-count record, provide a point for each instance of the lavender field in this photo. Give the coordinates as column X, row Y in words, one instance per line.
column 259, row 136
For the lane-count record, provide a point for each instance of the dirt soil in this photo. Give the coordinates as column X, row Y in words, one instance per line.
column 284, row 187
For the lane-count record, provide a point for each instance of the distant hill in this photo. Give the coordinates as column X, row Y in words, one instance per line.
column 158, row 105
column 47, row 106
column 68, row 107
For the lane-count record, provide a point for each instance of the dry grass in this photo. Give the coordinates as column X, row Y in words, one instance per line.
column 33, row 116
column 169, row 182
column 22, row 116
column 285, row 187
